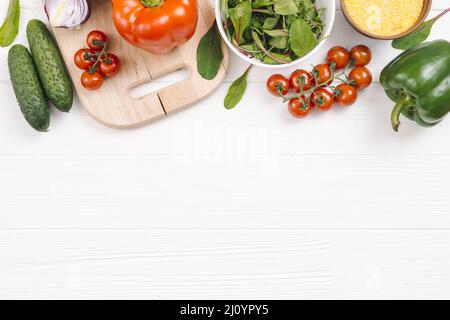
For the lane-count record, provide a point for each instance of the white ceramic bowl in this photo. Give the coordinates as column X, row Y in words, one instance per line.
column 328, row 19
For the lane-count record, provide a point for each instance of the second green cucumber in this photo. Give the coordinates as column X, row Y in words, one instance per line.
column 50, row 66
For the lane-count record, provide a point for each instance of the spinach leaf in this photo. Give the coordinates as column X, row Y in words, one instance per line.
column 277, row 33
column 256, row 24
column 249, row 47
column 417, row 36
column 209, row 53
column 307, row 8
column 261, row 3
column 253, row 51
column 270, row 23
column 301, row 37
column 267, row 52
column 279, row 42
column 240, row 18
column 10, row 27
column 269, row 60
column 285, row 7
column 237, row 90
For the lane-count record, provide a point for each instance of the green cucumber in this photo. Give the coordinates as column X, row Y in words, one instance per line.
column 50, row 66
column 27, row 87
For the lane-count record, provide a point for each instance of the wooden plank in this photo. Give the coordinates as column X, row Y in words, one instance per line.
column 227, row 264
column 219, row 204
column 217, row 191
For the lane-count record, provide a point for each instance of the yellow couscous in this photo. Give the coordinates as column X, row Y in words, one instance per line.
column 384, row 17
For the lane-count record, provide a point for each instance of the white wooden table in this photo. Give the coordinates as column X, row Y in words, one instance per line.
column 210, row 203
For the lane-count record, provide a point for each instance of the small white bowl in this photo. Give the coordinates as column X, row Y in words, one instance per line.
column 328, row 19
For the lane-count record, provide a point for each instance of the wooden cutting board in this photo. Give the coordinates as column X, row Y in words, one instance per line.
column 112, row 104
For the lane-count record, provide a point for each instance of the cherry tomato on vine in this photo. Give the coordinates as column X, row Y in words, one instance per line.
column 277, row 84
column 110, row 66
column 322, row 74
column 339, row 56
column 96, row 40
column 361, row 55
column 322, row 99
column 300, row 107
column 92, row 81
column 345, row 94
column 361, row 76
column 302, row 77
column 84, row 59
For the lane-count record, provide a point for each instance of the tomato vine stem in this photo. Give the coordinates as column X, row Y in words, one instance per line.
column 99, row 56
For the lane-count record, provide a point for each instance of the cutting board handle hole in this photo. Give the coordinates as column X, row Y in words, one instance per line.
column 154, row 85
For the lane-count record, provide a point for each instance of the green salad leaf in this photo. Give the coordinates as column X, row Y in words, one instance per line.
column 277, row 33
column 270, row 60
column 279, row 42
column 10, row 27
column 285, row 7
column 308, row 6
column 236, row 90
column 417, row 36
column 240, row 18
column 209, row 53
column 302, row 39
column 270, row 23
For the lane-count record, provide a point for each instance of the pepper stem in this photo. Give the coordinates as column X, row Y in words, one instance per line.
column 403, row 102
column 152, row 3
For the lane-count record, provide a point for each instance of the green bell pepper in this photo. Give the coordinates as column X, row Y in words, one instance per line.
column 418, row 80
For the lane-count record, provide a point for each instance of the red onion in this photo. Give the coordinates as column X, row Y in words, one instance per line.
column 67, row 13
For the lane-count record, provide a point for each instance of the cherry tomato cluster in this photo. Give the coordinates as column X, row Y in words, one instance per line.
column 96, row 62
column 315, row 89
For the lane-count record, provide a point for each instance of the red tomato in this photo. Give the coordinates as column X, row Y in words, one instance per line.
column 339, row 56
column 345, row 94
column 303, row 77
column 84, row 59
column 96, row 40
column 322, row 74
column 361, row 76
column 110, row 66
column 278, row 85
column 322, row 99
column 361, row 55
column 300, row 108
column 92, row 81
